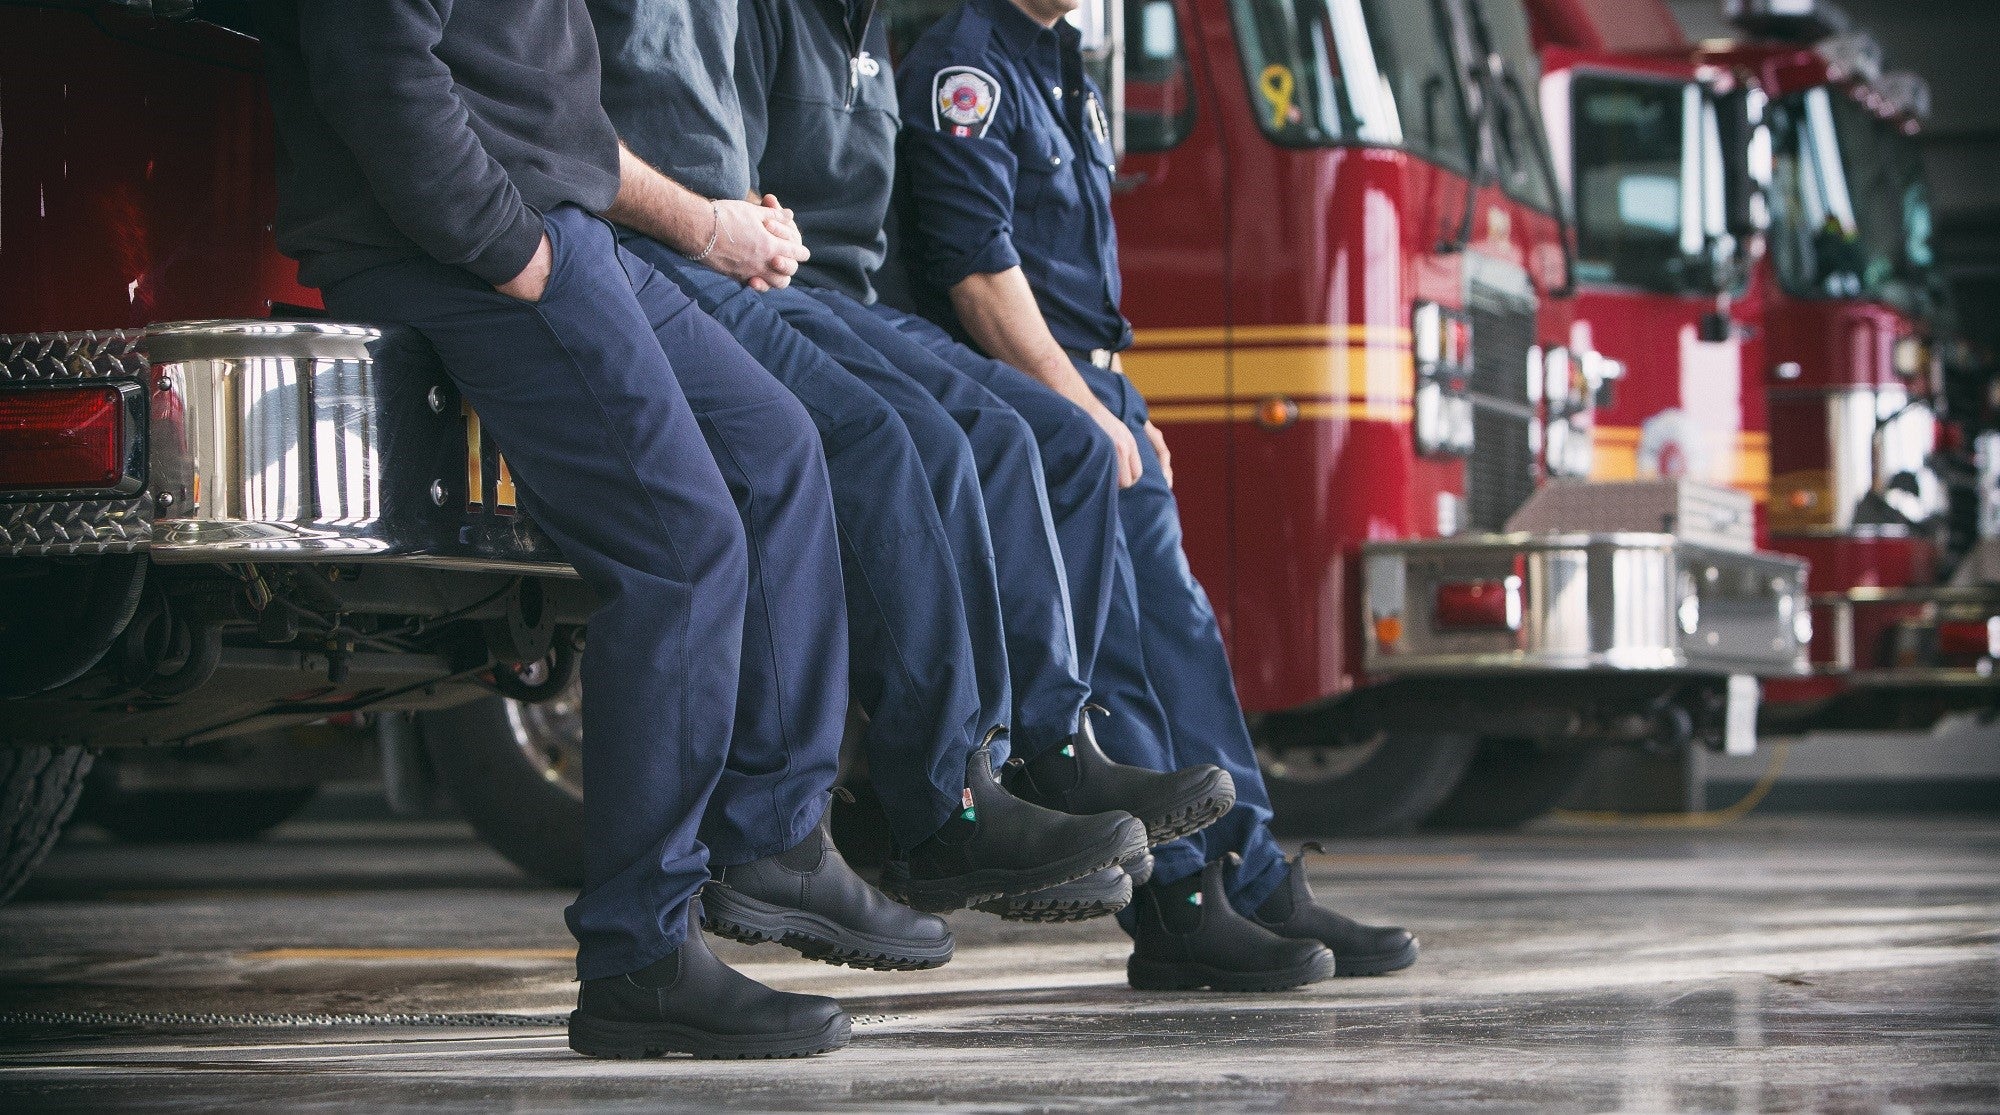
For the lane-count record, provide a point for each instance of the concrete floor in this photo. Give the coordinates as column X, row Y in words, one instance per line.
column 1794, row 963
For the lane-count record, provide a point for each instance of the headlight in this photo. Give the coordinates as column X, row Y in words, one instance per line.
column 1441, row 342
column 1427, row 332
column 1556, row 380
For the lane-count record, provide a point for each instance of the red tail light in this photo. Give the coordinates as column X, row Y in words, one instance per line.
column 61, row 438
column 1962, row 642
column 1478, row 605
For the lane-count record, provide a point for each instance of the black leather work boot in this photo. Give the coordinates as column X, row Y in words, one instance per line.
column 1079, row 777
column 1093, row 896
column 1186, row 936
column 810, row 900
column 1360, row 950
column 691, row 1002
column 999, row 846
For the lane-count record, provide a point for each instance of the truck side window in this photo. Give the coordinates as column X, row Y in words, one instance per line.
column 1159, row 94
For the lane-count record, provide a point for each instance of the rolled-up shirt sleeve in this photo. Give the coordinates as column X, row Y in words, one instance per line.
column 960, row 186
column 376, row 78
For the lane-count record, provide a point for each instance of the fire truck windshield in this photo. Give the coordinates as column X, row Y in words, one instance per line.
column 1851, row 208
column 1388, row 72
column 1648, row 185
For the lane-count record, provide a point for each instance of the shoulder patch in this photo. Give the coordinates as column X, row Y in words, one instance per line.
column 963, row 99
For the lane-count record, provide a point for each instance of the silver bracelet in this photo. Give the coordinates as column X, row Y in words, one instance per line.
column 714, row 236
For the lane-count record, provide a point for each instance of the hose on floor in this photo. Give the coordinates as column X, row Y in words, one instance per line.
column 1774, row 768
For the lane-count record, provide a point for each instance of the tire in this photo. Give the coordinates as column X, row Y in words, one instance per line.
column 38, row 790
column 1381, row 787
column 515, row 771
column 190, row 816
column 1511, row 782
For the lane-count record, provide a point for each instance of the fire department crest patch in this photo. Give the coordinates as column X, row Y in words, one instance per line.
column 963, row 99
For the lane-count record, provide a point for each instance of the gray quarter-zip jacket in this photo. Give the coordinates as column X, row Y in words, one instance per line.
column 819, row 115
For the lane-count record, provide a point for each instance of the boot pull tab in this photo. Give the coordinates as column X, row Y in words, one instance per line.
column 844, row 794
column 1313, row 846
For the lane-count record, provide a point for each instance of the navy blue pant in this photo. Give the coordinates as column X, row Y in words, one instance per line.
column 1151, row 651
column 1018, row 478
column 688, row 487
column 911, row 659
column 1180, row 667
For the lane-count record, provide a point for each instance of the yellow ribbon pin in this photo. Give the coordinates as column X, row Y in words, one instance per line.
column 1277, row 85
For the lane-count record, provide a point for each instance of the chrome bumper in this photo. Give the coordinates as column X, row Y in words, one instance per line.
column 270, row 441
column 1581, row 602
column 1907, row 622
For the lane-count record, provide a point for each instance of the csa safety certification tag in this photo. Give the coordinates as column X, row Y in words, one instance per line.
column 963, row 99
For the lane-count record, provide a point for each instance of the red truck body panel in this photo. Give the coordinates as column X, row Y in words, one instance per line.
column 138, row 171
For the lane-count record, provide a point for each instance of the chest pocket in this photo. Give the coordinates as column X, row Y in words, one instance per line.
column 1046, row 194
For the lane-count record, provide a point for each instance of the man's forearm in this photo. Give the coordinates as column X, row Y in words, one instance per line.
column 655, row 205
column 998, row 310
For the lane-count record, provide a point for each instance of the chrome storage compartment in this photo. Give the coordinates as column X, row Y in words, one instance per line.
column 274, row 441
column 1505, row 603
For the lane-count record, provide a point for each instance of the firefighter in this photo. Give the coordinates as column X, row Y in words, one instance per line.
column 1007, row 154
column 668, row 87
column 819, row 112
column 442, row 170
column 930, row 664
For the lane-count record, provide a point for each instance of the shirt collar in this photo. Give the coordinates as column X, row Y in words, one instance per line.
column 1021, row 33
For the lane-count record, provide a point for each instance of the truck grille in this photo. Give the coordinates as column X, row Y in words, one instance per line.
column 1500, row 474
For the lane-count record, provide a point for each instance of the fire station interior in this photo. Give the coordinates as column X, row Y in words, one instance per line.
column 1653, row 692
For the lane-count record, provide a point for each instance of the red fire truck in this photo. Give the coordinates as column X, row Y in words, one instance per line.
column 1865, row 452
column 1775, row 183
column 224, row 518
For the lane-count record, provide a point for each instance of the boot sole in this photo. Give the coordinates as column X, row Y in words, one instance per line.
column 739, row 917
column 628, row 1041
column 1035, row 908
column 1186, row 975
column 938, row 896
column 1380, row 964
column 1195, row 814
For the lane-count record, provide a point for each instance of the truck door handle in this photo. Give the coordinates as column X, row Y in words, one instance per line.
column 1126, row 183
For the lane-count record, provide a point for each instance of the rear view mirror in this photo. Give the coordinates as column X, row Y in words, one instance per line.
column 1715, row 328
column 1733, row 120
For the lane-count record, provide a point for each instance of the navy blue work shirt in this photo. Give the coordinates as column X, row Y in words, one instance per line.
column 1006, row 156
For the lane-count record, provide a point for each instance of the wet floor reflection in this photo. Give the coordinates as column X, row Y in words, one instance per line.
column 1787, row 966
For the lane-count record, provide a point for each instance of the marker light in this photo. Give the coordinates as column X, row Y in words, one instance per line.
column 1910, row 357
column 61, row 439
column 1388, row 632
column 1277, row 412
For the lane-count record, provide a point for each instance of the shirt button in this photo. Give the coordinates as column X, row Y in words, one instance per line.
column 1056, row 92
column 1055, row 160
